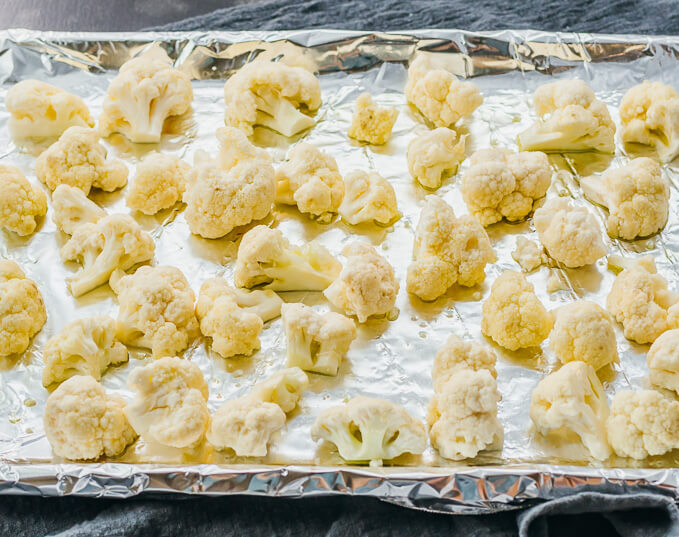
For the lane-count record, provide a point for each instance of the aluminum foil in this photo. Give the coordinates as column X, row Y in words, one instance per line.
column 390, row 359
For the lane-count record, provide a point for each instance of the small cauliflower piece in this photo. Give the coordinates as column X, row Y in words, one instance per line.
column 266, row 257
column 170, row 406
column 234, row 148
column 366, row 286
column 40, row 110
column 159, row 183
column 573, row 399
column 311, row 180
column 513, row 316
column 369, row 429
column 156, row 310
column 72, row 208
column 78, row 159
column 265, row 304
column 637, row 197
column 369, row 197
column 571, row 119
column 21, row 203
column 663, row 361
column 528, row 254
column 83, row 347
column 283, row 388
column 434, row 153
column 458, row 355
column 316, row 342
column 83, row 422
column 22, row 310
column 643, row 424
column 447, row 250
column 370, row 123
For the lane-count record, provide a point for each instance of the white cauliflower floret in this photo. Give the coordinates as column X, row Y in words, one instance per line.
column 83, row 422
column 434, row 153
column 72, row 208
column 577, row 120
column 146, row 91
column 83, row 347
column 40, row 110
column 266, row 304
column 528, row 254
column 513, row 316
column 273, row 95
column 458, row 355
column 571, row 235
column 447, row 250
column 637, row 197
column 156, row 310
column 439, row 96
column 78, row 159
column 573, row 399
column 266, row 257
column 283, row 388
column 369, row 197
column 643, row 424
column 22, row 310
column 159, row 183
column 316, row 342
column 311, row 180
column 21, row 203
column 499, row 184
column 366, row 286
column 114, row 242
column 370, row 123
column 234, row 148
column 663, row 361
column 170, row 406
column 368, row 429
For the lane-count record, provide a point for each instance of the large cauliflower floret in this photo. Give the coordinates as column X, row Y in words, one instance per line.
column 458, row 355
column 368, row 429
column 513, row 316
column 266, row 257
column 159, row 183
column 663, row 361
column 234, row 148
column 528, row 254
column 439, row 96
column 83, row 347
column 311, row 180
column 577, row 120
column 434, row 153
column 366, row 286
column 273, row 95
column 21, row 203
column 637, row 197
column 72, row 208
column 573, row 399
column 316, row 342
column 40, row 110
column 114, row 242
column 78, row 159
column 369, row 197
column 571, row 235
column 283, row 388
column 170, row 406
column 643, row 423
column 146, row 91
column 447, row 250
column 156, row 310
column 370, row 123
column 83, row 422
column 22, row 311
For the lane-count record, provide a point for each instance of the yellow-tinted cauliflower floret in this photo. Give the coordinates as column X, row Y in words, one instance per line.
column 283, row 388
column 663, row 361
column 20, row 202
column 159, row 183
column 369, row 197
column 370, row 123
column 71, row 208
column 434, row 153
column 457, row 355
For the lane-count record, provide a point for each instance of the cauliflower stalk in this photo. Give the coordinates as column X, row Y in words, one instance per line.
column 283, row 388
column 369, row 197
column 457, row 355
column 71, row 208
column 21, row 203
column 159, row 183
column 370, row 123
column 663, row 361
column 433, row 154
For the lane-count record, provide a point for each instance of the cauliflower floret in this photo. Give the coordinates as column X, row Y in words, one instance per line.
column 513, row 316
column 577, row 120
column 83, row 422
column 72, row 208
column 266, row 257
column 466, row 392
column 643, row 423
column 170, row 406
column 266, row 304
column 500, row 184
column 571, row 235
column 573, row 399
column 434, row 153
column 439, row 96
column 21, row 203
column 637, row 197
column 457, row 355
column 368, row 429
column 83, row 347
column 369, row 197
column 78, row 159
column 366, row 286
column 283, row 388
column 316, row 342
column 370, row 123
column 528, row 254
column 234, row 148
column 22, row 311
column 311, row 180
column 663, row 361
column 156, row 310
column 447, row 250
column 114, row 242
column 40, row 110
column 146, row 91
column 272, row 95
column 159, row 183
